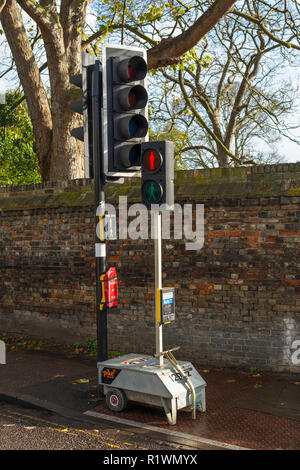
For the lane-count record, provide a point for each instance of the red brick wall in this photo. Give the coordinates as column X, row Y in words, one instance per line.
column 237, row 299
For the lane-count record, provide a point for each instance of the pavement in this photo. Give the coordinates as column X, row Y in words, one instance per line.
column 245, row 409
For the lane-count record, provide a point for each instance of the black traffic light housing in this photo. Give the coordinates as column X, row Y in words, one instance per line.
column 82, row 104
column 125, row 110
column 157, row 165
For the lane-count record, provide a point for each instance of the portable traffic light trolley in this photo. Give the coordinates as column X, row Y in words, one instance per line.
column 115, row 135
column 158, row 380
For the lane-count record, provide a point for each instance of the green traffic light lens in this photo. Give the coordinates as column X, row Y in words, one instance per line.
column 133, row 127
column 152, row 192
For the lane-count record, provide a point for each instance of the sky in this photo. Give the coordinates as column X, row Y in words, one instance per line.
column 287, row 148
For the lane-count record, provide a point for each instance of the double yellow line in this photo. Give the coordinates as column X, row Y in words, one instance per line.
column 63, row 429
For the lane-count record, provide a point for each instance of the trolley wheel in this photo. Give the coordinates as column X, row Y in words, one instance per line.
column 116, row 399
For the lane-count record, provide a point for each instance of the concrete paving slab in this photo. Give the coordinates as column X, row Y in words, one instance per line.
column 281, row 398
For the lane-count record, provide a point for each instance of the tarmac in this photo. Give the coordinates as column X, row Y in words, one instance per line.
column 253, row 410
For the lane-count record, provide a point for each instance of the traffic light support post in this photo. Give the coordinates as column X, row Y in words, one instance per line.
column 100, row 246
column 158, row 282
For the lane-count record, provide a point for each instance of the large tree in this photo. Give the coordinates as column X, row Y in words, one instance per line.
column 61, row 31
column 168, row 29
column 231, row 94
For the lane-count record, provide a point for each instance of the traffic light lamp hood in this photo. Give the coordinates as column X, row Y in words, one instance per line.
column 130, row 155
column 135, row 97
column 133, row 126
column 132, row 69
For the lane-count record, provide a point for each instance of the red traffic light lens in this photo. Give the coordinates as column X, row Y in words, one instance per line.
column 152, row 160
column 132, row 69
column 131, row 72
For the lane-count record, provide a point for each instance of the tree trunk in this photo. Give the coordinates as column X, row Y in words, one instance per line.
column 60, row 155
column 30, row 79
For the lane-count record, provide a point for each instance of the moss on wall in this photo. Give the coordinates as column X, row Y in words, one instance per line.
column 200, row 185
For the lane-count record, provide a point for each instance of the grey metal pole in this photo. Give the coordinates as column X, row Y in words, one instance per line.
column 158, row 282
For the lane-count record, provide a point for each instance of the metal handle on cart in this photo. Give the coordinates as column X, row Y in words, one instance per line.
column 164, row 353
column 177, row 367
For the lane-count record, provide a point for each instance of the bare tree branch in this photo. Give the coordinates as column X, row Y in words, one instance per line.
column 259, row 23
column 170, row 50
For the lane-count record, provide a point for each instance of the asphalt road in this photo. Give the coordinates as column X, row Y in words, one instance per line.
column 35, row 429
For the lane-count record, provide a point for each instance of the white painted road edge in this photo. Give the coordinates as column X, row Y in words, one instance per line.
column 169, row 432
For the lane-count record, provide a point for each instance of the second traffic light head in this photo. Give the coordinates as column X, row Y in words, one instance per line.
column 157, row 164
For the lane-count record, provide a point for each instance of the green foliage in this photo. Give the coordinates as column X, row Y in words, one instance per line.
column 18, row 162
column 153, row 13
column 180, row 139
column 91, row 345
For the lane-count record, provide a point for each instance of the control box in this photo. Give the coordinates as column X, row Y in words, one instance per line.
column 165, row 305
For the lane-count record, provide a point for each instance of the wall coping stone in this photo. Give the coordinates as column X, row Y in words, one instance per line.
column 238, row 183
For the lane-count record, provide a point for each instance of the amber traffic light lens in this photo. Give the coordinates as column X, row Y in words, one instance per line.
column 131, row 99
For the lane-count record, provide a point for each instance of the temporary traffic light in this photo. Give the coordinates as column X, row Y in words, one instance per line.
column 125, row 111
column 82, row 104
column 157, row 163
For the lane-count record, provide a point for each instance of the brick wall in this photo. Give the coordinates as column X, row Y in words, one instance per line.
column 237, row 299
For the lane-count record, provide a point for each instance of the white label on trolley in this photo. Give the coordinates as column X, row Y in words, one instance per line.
column 100, row 250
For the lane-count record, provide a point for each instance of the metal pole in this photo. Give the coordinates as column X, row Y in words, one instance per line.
column 100, row 246
column 158, row 282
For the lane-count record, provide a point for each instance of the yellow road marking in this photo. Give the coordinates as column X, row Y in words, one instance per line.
column 64, row 430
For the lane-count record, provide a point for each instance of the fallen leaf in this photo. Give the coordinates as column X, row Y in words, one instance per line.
column 81, row 381
column 58, row 376
column 229, row 381
column 258, row 386
column 296, row 383
column 205, row 370
column 282, row 404
column 256, row 375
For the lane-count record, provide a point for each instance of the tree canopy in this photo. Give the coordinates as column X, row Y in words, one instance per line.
column 18, row 163
column 60, row 31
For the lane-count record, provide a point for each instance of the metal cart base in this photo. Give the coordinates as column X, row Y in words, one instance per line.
column 140, row 378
